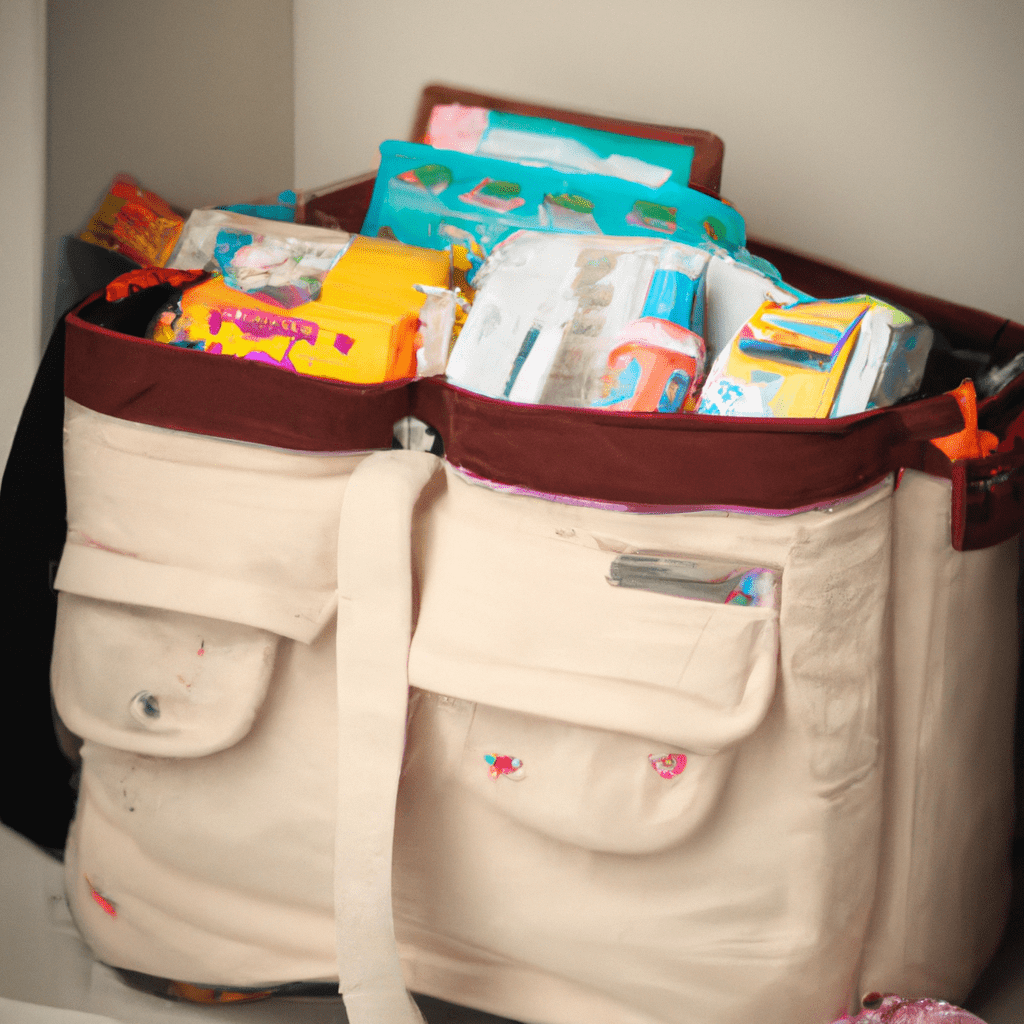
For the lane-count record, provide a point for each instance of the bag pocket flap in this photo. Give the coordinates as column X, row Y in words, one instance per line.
column 92, row 571
column 157, row 682
column 165, row 660
column 695, row 675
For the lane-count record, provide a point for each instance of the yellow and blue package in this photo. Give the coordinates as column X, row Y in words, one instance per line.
column 818, row 359
column 440, row 198
column 363, row 328
column 570, row 147
column 785, row 360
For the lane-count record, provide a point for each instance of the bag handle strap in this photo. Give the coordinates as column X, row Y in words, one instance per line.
column 374, row 633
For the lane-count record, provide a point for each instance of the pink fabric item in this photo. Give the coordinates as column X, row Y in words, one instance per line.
column 894, row 1010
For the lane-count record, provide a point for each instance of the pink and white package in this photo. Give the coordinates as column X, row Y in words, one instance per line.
column 892, row 1009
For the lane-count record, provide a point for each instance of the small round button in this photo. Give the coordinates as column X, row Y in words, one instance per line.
column 145, row 705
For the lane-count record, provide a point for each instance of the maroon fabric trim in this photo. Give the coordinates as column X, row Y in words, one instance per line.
column 148, row 382
column 679, row 460
column 988, row 499
column 629, row 458
column 620, row 457
column 958, row 506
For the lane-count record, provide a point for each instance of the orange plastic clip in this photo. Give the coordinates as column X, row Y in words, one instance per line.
column 969, row 443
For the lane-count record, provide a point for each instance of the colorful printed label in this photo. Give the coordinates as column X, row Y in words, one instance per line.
column 254, row 323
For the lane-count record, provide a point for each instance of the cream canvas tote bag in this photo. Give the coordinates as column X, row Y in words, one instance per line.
column 253, row 755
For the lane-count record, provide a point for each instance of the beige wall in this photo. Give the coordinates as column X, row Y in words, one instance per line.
column 22, row 173
column 887, row 135
column 194, row 98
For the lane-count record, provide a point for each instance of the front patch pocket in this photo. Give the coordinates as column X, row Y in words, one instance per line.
column 157, row 682
column 595, row 689
column 188, row 560
column 593, row 788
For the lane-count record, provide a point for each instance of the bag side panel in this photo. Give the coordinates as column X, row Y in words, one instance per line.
column 945, row 874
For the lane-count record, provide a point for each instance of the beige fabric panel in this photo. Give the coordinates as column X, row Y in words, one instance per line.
column 220, row 867
column 948, row 817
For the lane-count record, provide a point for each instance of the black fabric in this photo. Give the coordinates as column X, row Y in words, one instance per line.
column 37, row 798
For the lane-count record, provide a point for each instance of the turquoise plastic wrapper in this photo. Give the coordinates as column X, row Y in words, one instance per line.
column 436, row 198
column 283, row 209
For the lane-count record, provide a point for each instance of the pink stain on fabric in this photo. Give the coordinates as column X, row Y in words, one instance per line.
column 503, row 765
column 104, row 903
column 92, row 543
column 668, row 766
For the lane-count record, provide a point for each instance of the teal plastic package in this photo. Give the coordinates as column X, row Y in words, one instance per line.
column 569, row 147
column 436, row 198
column 283, row 209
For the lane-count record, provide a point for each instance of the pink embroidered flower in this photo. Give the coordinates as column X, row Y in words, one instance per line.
column 668, row 766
